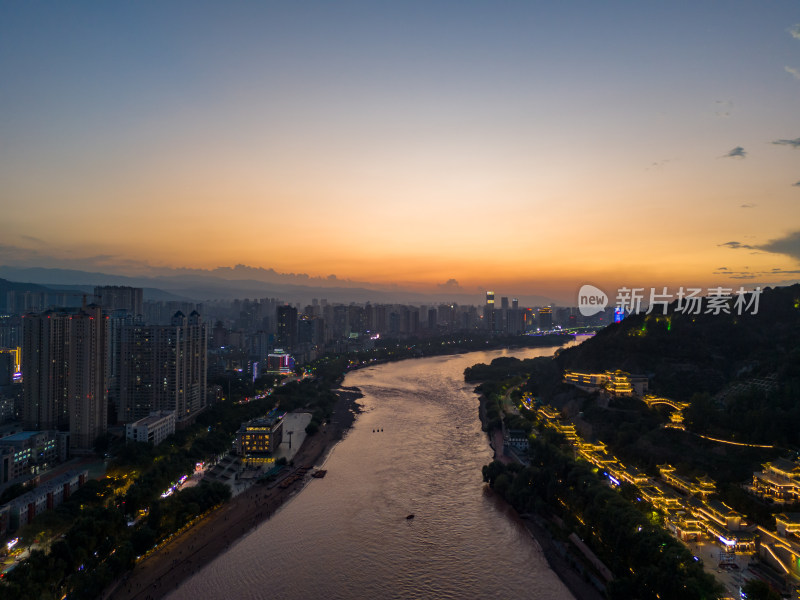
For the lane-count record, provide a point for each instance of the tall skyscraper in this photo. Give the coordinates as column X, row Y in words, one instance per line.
column 64, row 374
column 514, row 321
column 488, row 312
column 502, row 315
column 287, row 327
column 545, row 318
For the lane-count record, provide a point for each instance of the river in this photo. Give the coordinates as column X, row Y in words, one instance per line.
column 417, row 448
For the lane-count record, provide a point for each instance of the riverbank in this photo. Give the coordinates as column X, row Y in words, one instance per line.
column 164, row 570
column 578, row 587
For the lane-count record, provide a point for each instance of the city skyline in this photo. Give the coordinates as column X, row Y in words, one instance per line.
column 460, row 147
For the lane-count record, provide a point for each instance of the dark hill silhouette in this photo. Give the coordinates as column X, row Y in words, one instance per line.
column 687, row 354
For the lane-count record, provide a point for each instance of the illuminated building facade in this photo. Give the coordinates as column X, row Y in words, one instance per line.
column 779, row 481
column 587, row 381
column 788, row 523
column 687, row 517
column 280, row 362
column 260, row 438
column 489, row 312
column 29, row 453
column 618, row 384
column 701, row 487
column 10, row 367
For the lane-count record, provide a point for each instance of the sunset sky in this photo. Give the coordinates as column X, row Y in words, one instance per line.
column 521, row 146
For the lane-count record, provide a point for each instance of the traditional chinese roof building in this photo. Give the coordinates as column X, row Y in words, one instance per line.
column 779, row 481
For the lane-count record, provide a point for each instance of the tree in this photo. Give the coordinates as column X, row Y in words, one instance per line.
column 755, row 589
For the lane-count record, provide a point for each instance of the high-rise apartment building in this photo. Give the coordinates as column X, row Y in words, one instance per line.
column 185, row 357
column 86, row 379
column 162, row 368
column 44, row 371
column 120, row 297
column 64, row 374
column 287, row 327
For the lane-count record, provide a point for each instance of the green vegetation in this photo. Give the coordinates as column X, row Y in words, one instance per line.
column 97, row 545
column 241, row 385
column 537, row 377
column 755, row 589
column 741, row 375
column 646, row 561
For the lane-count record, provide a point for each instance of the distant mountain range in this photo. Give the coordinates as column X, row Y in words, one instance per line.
column 226, row 283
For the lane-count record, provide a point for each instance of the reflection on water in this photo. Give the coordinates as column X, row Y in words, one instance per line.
column 416, row 449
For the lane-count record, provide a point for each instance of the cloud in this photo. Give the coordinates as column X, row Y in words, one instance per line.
column 788, row 245
column 747, row 274
column 748, row 205
column 794, row 31
column 449, row 285
column 795, row 143
column 20, row 256
column 794, row 72
column 737, row 152
column 658, row 164
column 737, row 245
column 11, row 253
column 30, row 238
